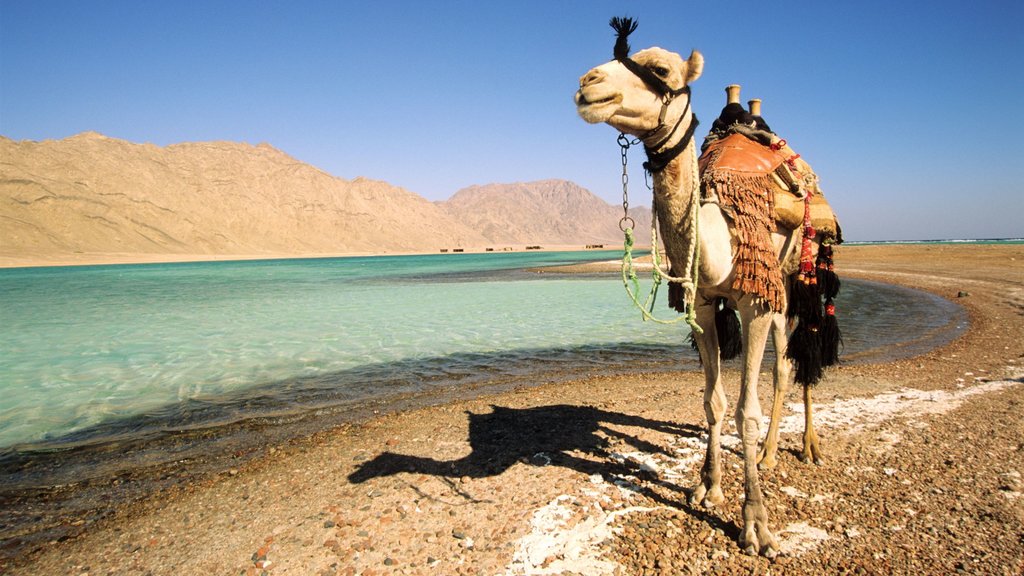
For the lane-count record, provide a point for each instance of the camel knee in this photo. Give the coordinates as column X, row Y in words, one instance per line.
column 714, row 407
column 748, row 427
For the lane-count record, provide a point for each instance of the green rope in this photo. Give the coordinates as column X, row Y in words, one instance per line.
column 689, row 282
column 632, row 285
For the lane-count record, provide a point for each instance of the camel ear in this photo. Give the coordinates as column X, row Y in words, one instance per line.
column 694, row 66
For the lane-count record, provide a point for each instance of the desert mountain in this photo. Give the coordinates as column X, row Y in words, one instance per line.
column 93, row 194
column 544, row 212
column 90, row 196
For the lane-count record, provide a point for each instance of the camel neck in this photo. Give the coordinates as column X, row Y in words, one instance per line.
column 676, row 179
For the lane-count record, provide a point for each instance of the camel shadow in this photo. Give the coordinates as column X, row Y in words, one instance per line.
column 580, row 438
column 575, row 437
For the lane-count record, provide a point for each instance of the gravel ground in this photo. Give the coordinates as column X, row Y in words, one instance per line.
column 591, row 475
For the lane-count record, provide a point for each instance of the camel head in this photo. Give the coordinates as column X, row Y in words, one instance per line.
column 643, row 95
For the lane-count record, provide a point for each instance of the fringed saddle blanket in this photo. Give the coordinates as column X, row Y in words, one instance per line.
column 736, row 172
column 761, row 183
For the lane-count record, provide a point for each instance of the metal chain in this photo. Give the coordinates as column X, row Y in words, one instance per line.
column 626, row 222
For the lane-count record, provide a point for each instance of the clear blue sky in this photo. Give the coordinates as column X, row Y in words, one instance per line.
column 911, row 112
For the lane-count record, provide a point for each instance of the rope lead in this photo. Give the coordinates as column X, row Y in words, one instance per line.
column 689, row 282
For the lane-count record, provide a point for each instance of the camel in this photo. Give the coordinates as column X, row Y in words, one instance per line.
column 647, row 96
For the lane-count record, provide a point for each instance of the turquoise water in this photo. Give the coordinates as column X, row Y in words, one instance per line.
column 90, row 353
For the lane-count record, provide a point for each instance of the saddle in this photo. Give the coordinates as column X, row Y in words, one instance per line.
column 760, row 183
column 752, row 157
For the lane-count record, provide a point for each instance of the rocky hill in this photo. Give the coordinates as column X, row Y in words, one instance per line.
column 88, row 197
column 544, row 212
column 93, row 194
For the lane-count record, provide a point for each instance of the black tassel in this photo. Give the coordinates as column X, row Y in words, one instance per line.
column 804, row 301
column 676, row 296
column 828, row 284
column 804, row 347
column 623, row 28
column 727, row 324
column 693, row 344
column 828, row 281
column 831, row 337
column 804, row 350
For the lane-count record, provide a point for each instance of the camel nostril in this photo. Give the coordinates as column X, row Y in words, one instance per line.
column 591, row 77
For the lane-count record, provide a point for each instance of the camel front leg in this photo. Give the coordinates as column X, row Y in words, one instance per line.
column 812, row 451
column 755, row 537
column 709, row 492
column 767, row 457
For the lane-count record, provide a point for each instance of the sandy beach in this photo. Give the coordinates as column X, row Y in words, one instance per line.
column 590, row 474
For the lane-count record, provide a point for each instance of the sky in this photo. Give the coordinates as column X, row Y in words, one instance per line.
column 910, row 112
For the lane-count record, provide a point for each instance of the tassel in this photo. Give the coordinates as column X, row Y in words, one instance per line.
column 730, row 344
column 676, row 296
column 804, row 350
column 693, row 345
column 804, row 301
column 828, row 281
column 727, row 326
column 831, row 337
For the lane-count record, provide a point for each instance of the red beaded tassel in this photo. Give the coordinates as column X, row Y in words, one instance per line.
column 804, row 347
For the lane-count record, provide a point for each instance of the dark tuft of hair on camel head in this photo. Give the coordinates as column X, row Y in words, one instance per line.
column 623, row 28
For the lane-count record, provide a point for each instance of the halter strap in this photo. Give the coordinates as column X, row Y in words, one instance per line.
column 656, row 160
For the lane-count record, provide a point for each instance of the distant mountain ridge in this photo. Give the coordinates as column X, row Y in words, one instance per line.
column 546, row 211
column 94, row 195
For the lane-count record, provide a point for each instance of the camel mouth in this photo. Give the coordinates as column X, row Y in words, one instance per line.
column 599, row 109
column 583, row 100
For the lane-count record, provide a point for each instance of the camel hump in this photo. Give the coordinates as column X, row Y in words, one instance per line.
column 737, row 153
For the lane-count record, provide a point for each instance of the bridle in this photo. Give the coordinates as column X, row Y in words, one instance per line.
column 657, row 158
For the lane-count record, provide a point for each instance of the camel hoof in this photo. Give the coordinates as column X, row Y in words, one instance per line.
column 707, row 498
column 770, row 549
column 810, row 458
column 698, row 495
column 713, row 498
column 767, row 462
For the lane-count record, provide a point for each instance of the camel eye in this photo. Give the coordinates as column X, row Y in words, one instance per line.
column 660, row 71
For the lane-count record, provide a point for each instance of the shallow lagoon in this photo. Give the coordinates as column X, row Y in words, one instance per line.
column 91, row 354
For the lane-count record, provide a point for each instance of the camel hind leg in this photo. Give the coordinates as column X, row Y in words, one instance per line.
column 812, row 450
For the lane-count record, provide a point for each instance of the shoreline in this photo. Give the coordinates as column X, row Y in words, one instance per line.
column 502, row 470
column 108, row 259
column 112, row 259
